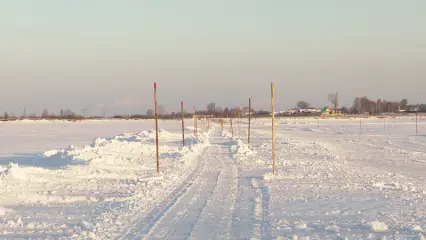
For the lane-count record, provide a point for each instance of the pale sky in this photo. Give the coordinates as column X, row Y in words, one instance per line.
column 106, row 54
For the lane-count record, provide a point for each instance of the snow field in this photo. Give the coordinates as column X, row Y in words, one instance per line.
column 334, row 180
column 352, row 185
column 92, row 191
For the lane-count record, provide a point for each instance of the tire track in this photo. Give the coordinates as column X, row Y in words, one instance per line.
column 145, row 225
column 215, row 221
column 177, row 215
column 261, row 210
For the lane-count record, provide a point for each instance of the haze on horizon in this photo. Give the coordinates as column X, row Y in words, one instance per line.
column 105, row 55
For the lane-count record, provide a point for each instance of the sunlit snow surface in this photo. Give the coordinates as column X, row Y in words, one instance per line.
column 336, row 179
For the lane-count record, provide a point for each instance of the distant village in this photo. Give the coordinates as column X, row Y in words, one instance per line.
column 361, row 105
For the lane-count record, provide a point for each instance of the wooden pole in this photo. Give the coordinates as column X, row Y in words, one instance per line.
column 360, row 120
column 238, row 114
column 273, row 128
column 249, row 125
column 195, row 122
column 417, row 110
column 232, row 129
column 183, row 125
column 196, row 125
column 384, row 124
column 221, row 123
column 156, row 127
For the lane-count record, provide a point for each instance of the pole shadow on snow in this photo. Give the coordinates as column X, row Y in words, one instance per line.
column 34, row 160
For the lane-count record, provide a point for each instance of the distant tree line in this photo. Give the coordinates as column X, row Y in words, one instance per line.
column 67, row 114
column 364, row 104
column 360, row 105
column 211, row 110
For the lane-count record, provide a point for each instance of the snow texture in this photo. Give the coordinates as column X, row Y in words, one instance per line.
column 98, row 180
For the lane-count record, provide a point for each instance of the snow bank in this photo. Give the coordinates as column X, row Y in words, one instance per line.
column 12, row 171
column 270, row 176
column 4, row 211
column 377, row 226
column 118, row 175
column 241, row 150
column 117, row 149
column 417, row 229
column 146, row 136
column 301, row 226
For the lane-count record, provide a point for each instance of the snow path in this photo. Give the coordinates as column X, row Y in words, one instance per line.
column 146, row 225
column 202, row 207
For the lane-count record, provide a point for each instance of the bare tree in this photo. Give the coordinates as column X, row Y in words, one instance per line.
column 45, row 113
column 379, row 106
column 403, row 104
column 211, row 108
column 6, row 115
column 226, row 112
column 24, row 113
column 357, row 105
column 334, row 100
column 219, row 111
column 161, row 110
column 150, row 113
column 302, row 104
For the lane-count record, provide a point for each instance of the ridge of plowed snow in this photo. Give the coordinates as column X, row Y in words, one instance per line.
column 114, row 178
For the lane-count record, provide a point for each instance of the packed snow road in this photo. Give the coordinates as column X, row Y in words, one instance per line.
column 334, row 181
column 202, row 207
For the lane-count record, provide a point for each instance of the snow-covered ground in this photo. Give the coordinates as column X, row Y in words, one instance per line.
column 336, row 179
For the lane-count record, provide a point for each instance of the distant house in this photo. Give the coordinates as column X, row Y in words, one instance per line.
column 288, row 112
column 325, row 111
column 262, row 113
column 301, row 112
column 310, row 110
column 246, row 113
column 412, row 109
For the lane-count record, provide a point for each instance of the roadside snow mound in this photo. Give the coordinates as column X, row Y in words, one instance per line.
column 271, row 177
column 241, row 151
column 118, row 174
column 123, row 148
column 4, row 211
column 301, row 225
column 377, row 226
column 146, row 136
column 12, row 171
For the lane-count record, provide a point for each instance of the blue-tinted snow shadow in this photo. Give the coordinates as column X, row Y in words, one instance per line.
column 34, row 160
column 188, row 141
column 229, row 143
